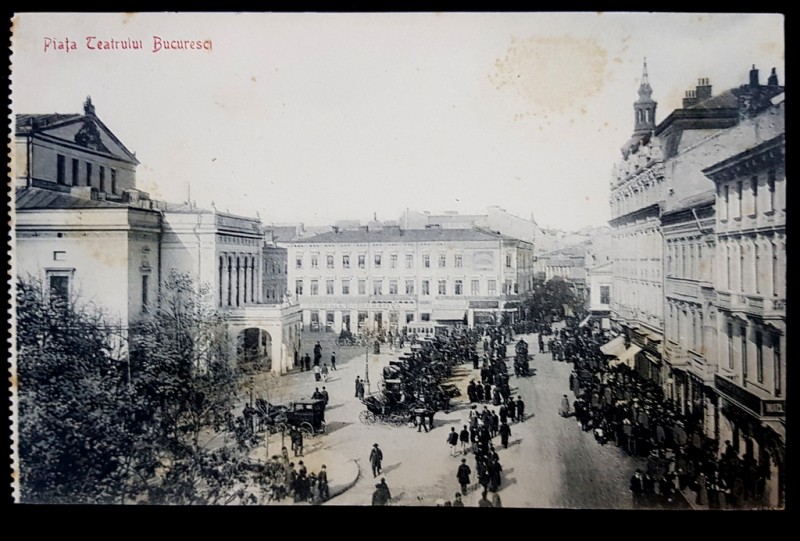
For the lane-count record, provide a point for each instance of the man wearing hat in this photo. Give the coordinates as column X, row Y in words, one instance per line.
column 463, row 475
column 322, row 480
column 457, row 502
column 375, row 458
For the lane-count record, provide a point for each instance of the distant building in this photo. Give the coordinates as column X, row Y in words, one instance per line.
column 85, row 231
column 389, row 278
column 600, row 278
column 568, row 264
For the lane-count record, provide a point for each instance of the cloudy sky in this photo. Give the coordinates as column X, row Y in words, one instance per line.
column 320, row 117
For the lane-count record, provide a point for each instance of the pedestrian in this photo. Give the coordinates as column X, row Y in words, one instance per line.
column 317, row 373
column 324, row 395
column 422, row 420
column 505, row 432
column 503, row 413
column 322, row 480
column 487, row 391
column 452, row 439
column 520, row 409
column 358, row 384
column 512, row 410
column 464, row 439
column 457, row 501
column 564, row 409
column 637, row 488
column 379, row 496
column 462, row 475
column 479, row 393
column 484, row 502
column 495, row 424
column 324, row 372
column 375, row 459
column 316, row 395
column 298, row 450
column 494, row 475
column 308, row 363
column 333, row 361
column 473, row 438
column 431, row 413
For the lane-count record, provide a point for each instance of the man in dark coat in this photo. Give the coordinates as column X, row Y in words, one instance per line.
column 494, row 475
column 322, row 481
column 462, row 475
column 358, row 384
column 479, row 393
column 503, row 414
column 512, row 410
column 520, row 409
column 324, row 395
column 487, row 391
column 471, row 391
column 452, row 440
column 375, row 459
column 495, row 424
column 505, row 432
column 308, row 362
column 463, row 437
column 333, row 361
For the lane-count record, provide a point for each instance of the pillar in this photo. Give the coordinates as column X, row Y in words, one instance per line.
column 323, row 321
column 354, row 321
column 337, row 321
column 307, row 319
column 470, row 318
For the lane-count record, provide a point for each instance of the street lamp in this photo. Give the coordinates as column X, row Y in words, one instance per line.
column 366, row 364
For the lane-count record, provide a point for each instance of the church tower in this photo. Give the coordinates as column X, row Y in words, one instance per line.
column 644, row 108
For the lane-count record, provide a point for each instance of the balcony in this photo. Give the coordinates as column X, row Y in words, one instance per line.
column 756, row 305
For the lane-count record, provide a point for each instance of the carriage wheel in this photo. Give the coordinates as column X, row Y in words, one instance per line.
column 366, row 417
column 307, row 429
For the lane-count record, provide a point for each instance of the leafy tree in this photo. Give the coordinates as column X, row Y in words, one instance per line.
column 77, row 429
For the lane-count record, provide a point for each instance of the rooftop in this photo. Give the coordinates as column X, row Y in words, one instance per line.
column 407, row 235
column 38, row 198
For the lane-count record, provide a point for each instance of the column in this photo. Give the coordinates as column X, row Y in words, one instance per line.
column 323, row 321
column 337, row 321
column 470, row 318
column 223, row 282
column 245, row 278
column 307, row 319
column 228, row 279
column 354, row 321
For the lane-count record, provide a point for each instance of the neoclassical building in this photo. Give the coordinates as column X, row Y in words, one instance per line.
column 83, row 229
column 387, row 278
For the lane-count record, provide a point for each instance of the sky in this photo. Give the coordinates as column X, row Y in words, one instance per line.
column 315, row 118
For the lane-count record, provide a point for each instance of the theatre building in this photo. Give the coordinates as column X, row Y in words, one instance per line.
column 385, row 278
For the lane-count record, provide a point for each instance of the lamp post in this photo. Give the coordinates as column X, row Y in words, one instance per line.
column 366, row 363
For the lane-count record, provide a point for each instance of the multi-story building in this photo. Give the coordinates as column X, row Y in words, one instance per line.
column 276, row 271
column 85, row 232
column 387, row 277
column 600, row 280
column 750, row 284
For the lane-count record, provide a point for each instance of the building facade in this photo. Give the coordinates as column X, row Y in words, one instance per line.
column 85, row 231
column 750, row 284
column 388, row 278
column 600, row 279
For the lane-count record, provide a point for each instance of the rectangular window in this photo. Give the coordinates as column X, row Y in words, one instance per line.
column 442, row 261
column 730, row 346
column 759, row 358
column 508, row 260
column 345, row 261
column 362, row 259
column 743, row 339
column 102, row 174
column 377, row 261
column 475, row 287
column 377, row 287
column 76, row 172
column 459, row 260
column 442, row 287
column 739, row 198
column 114, row 181
column 298, row 262
column 392, row 287
column 426, row 260
column 88, row 174
column 145, row 292
column 754, row 189
column 362, row 287
column 393, row 261
column 775, row 270
column 507, row 287
column 329, row 261
column 409, row 317
column 329, row 287
column 59, row 288
column 459, row 287
column 314, row 261
column 409, row 287
column 605, row 294
column 776, row 354
column 409, row 261
column 492, row 285
column 771, row 189
column 59, row 256
column 315, row 287
column 425, row 316
column 61, row 166
column 426, row 287
column 345, row 287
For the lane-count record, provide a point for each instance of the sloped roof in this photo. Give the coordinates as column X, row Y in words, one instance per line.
column 407, row 235
column 37, row 198
column 26, row 122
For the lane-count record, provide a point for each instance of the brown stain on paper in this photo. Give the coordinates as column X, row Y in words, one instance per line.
column 553, row 74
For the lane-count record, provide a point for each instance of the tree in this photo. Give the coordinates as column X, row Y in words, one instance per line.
column 77, row 429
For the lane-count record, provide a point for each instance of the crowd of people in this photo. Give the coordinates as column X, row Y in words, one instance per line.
column 619, row 406
column 287, row 480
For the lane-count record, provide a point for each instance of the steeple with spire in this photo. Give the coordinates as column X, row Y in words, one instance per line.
column 644, row 108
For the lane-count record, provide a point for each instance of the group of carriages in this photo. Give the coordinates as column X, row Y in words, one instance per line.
column 307, row 416
column 416, row 384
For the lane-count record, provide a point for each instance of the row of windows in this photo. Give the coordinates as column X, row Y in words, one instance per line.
column 745, row 199
column 740, row 354
column 753, row 267
column 458, row 261
column 409, row 287
column 88, row 175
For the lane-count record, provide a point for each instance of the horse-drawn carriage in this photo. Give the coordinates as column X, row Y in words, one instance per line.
column 384, row 408
column 308, row 416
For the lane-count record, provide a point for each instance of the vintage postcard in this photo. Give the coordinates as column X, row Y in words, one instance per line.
column 523, row 260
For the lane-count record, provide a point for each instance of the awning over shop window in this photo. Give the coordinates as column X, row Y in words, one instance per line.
column 614, row 347
column 627, row 357
column 448, row 315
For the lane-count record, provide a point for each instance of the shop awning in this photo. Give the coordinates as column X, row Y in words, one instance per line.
column 585, row 321
column 448, row 315
column 614, row 347
column 627, row 357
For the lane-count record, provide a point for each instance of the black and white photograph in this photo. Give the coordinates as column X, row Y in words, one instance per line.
column 524, row 259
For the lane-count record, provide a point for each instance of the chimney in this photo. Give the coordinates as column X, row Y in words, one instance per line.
column 754, row 77
column 690, row 99
column 703, row 90
column 773, row 78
